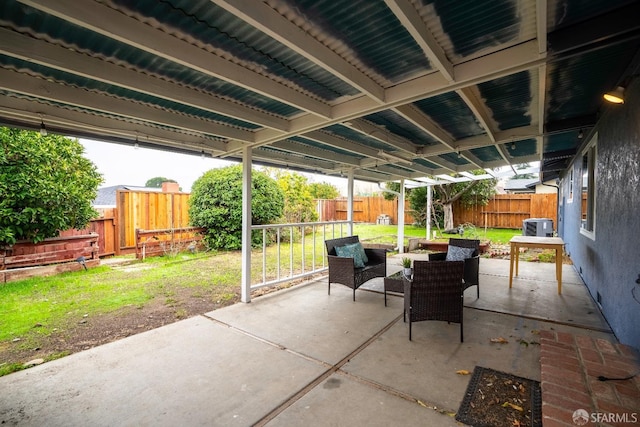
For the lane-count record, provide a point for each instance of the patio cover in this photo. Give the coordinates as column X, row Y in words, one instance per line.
column 378, row 90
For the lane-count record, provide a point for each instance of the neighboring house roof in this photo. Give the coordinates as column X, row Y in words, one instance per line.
column 106, row 196
column 520, row 185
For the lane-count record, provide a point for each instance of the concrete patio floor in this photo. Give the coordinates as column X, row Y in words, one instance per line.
column 302, row 357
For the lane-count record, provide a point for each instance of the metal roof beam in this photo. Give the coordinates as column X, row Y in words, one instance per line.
column 471, row 96
column 285, row 160
column 381, row 135
column 344, row 144
column 45, row 89
column 63, row 59
column 425, row 123
column 113, row 24
column 84, row 124
column 266, row 19
column 541, row 25
column 409, row 17
column 507, row 61
column 318, row 153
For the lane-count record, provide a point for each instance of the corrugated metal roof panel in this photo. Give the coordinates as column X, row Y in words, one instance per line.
column 454, row 158
column 522, row 148
column 562, row 141
column 305, row 141
column 68, row 35
column 124, row 119
column 509, row 99
column 349, row 134
column 119, row 92
column 487, row 154
column 471, row 28
column 400, row 126
column 426, row 163
column 210, row 24
column 452, row 114
column 576, row 84
column 364, row 32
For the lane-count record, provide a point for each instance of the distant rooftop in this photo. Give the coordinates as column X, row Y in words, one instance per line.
column 107, row 195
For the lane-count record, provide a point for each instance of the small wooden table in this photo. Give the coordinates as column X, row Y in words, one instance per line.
column 518, row 242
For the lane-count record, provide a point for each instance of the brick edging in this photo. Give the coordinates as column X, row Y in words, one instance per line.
column 570, row 366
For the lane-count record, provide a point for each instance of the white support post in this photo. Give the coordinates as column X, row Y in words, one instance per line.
column 401, row 218
column 429, row 197
column 350, row 202
column 246, row 225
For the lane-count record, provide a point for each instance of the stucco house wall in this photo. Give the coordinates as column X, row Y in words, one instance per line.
column 609, row 259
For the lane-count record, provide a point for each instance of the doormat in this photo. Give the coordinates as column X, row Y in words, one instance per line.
column 497, row 399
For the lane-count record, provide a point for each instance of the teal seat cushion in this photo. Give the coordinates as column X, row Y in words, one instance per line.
column 352, row 251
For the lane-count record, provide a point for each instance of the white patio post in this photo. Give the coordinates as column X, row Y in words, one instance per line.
column 350, row 202
column 401, row 218
column 246, row 225
column 429, row 196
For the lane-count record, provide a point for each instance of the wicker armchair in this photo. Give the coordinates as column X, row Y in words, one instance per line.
column 471, row 265
column 434, row 293
column 342, row 270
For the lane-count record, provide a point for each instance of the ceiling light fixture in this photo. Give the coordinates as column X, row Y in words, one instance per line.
column 43, row 129
column 136, row 145
column 615, row 96
column 202, row 154
column 580, row 134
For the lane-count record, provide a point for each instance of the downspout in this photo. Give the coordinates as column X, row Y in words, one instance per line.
column 557, row 187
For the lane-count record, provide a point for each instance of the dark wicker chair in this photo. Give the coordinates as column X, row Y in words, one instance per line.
column 342, row 270
column 471, row 265
column 434, row 293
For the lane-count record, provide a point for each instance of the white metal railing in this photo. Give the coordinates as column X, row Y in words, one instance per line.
column 294, row 266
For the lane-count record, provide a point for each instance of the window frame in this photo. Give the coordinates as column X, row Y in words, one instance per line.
column 588, row 160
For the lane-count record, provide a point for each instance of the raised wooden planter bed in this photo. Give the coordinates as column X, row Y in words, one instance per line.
column 438, row 246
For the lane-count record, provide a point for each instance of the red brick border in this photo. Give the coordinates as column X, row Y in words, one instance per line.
column 570, row 366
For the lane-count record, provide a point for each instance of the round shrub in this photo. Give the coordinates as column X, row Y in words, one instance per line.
column 216, row 205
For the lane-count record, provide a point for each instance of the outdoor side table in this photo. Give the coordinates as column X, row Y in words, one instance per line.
column 518, row 242
column 393, row 283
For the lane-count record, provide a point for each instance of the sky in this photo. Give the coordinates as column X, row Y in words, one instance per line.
column 126, row 165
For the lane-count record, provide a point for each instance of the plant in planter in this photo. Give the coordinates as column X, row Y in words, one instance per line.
column 406, row 264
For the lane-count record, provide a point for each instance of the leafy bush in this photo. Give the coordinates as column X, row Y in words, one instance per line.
column 298, row 202
column 216, row 204
column 45, row 186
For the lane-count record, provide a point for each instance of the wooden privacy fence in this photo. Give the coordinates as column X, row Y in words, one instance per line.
column 148, row 211
column 508, row 210
column 365, row 209
column 503, row 210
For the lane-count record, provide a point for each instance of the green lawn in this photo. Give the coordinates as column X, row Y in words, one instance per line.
column 35, row 308
column 494, row 235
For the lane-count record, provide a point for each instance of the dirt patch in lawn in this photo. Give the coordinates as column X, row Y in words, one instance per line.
column 87, row 331
column 526, row 254
column 174, row 299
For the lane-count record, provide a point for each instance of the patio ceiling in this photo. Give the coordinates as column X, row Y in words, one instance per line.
column 389, row 89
